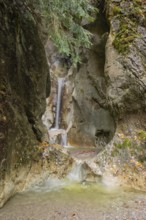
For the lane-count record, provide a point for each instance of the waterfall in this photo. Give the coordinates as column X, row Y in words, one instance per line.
column 78, row 173
column 56, row 134
column 64, row 139
column 60, row 87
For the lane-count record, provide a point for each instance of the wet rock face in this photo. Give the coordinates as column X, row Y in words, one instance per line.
column 24, row 85
column 125, row 92
column 105, row 87
column 84, row 111
column 92, row 123
column 125, row 70
column 126, row 80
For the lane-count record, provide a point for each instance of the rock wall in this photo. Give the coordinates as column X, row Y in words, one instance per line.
column 125, row 65
column 125, row 71
column 104, row 100
column 85, row 114
column 24, row 87
column 92, row 123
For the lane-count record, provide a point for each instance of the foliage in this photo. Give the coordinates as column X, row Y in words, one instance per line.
column 125, row 36
column 64, row 20
column 142, row 135
column 125, row 144
column 129, row 14
column 116, row 10
column 132, row 150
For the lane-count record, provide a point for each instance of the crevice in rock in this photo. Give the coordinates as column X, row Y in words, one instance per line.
column 98, row 124
column 84, row 100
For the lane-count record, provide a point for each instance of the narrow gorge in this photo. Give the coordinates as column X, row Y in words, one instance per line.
column 73, row 109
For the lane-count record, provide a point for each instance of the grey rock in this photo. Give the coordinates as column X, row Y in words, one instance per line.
column 24, row 86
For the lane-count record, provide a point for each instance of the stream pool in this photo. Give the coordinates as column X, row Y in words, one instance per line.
column 64, row 200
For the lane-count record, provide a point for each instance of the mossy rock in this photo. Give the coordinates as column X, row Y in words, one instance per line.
column 129, row 21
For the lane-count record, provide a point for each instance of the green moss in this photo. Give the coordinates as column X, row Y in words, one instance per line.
column 125, row 144
column 116, row 10
column 129, row 148
column 122, row 43
column 137, row 2
column 142, row 135
column 114, row 152
column 126, row 35
column 138, row 11
column 129, row 21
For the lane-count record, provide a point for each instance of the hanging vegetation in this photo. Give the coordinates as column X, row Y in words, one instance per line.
column 64, row 22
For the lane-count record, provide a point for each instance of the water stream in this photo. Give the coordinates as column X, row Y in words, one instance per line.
column 78, row 173
column 58, row 106
column 73, row 198
column 57, row 131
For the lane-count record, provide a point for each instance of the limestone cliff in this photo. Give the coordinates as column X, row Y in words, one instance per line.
column 85, row 113
column 104, row 101
column 110, row 83
column 24, row 86
column 126, row 88
column 104, row 97
column 126, row 56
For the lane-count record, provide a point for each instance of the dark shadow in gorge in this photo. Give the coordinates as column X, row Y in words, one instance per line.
column 93, row 124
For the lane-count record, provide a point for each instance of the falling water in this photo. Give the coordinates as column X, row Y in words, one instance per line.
column 78, row 173
column 60, row 86
column 64, row 139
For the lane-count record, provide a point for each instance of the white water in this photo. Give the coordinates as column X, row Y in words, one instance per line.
column 64, row 139
column 51, row 184
column 54, row 132
column 78, row 173
column 76, row 202
column 60, row 87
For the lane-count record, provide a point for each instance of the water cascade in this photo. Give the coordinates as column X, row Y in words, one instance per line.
column 58, row 107
column 64, row 138
column 78, row 173
column 57, row 134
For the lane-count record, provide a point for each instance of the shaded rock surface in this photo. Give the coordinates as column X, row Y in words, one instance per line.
column 126, row 85
column 24, row 87
column 84, row 112
column 103, row 100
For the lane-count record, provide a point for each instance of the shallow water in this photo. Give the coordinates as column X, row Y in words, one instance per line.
column 70, row 200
